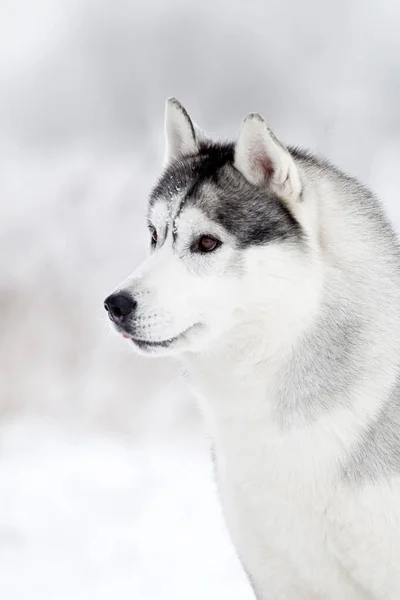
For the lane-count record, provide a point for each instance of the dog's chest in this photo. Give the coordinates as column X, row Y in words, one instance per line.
column 275, row 487
column 271, row 501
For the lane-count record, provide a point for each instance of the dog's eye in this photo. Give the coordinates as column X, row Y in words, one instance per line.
column 206, row 243
column 153, row 237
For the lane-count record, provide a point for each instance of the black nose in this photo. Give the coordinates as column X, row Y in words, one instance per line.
column 119, row 305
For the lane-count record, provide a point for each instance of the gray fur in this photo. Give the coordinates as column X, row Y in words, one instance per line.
column 250, row 214
column 323, row 366
column 377, row 455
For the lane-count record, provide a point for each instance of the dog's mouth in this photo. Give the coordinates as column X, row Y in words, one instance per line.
column 148, row 344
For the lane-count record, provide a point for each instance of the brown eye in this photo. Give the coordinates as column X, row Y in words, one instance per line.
column 206, row 243
column 153, row 237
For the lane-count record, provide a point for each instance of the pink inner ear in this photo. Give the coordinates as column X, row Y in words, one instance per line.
column 263, row 162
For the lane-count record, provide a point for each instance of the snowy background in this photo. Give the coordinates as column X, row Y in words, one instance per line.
column 105, row 484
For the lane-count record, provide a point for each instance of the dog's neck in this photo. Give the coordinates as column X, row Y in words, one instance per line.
column 292, row 372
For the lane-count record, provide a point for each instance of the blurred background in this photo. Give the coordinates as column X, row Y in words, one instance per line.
column 105, row 485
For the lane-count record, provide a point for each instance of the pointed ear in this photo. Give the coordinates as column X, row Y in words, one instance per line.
column 264, row 161
column 181, row 134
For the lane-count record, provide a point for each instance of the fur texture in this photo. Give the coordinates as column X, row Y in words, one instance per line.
column 288, row 331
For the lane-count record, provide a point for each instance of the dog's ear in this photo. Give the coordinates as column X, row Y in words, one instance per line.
column 181, row 134
column 264, row 161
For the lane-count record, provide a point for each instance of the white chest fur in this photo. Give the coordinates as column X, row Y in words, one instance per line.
column 277, row 486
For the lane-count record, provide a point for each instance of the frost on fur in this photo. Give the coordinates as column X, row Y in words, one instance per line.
column 263, row 160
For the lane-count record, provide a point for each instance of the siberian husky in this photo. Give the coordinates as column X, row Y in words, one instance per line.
column 275, row 278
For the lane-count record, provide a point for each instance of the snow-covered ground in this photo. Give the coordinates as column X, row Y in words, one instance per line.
column 94, row 517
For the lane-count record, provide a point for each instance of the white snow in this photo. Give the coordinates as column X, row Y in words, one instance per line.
column 89, row 516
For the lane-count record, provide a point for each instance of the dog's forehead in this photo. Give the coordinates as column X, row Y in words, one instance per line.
column 209, row 182
column 183, row 178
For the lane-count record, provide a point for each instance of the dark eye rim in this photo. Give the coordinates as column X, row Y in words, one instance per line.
column 198, row 248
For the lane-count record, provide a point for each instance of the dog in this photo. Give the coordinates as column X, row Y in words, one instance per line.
column 274, row 277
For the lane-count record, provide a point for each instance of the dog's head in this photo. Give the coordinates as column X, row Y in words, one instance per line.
column 230, row 242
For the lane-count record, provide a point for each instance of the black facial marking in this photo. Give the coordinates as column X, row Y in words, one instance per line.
column 252, row 215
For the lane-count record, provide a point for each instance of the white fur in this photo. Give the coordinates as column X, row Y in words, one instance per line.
column 181, row 134
column 178, row 132
column 299, row 534
column 302, row 532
